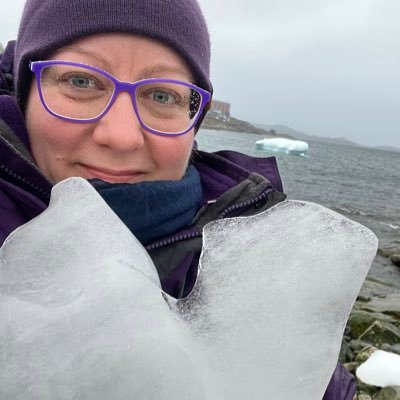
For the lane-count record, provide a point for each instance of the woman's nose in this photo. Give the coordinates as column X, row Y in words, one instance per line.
column 120, row 128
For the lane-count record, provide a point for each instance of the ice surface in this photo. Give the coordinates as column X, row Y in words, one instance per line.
column 82, row 315
column 274, row 296
column 381, row 369
column 282, row 145
column 81, row 310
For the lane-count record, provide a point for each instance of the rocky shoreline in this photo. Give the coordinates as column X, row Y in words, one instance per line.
column 374, row 323
column 216, row 120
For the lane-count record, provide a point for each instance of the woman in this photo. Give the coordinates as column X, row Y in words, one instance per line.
column 114, row 92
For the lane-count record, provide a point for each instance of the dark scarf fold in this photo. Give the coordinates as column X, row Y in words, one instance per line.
column 153, row 209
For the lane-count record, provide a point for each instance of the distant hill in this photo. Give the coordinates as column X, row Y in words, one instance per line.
column 285, row 130
column 304, row 136
column 219, row 121
column 388, row 148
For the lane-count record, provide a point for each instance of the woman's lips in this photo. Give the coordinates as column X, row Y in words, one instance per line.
column 112, row 175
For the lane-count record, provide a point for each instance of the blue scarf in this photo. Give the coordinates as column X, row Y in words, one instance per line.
column 152, row 209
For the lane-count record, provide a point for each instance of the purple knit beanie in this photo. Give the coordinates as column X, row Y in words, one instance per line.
column 48, row 25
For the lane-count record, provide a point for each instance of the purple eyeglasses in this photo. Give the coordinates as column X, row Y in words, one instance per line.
column 82, row 93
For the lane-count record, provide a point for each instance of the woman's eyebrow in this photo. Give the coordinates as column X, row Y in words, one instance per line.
column 86, row 52
column 151, row 71
column 164, row 68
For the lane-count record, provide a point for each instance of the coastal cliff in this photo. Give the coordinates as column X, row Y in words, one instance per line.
column 219, row 121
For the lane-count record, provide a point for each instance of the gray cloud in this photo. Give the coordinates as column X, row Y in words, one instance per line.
column 327, row 68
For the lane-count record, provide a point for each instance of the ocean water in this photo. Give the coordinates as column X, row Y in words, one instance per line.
column 360, row 183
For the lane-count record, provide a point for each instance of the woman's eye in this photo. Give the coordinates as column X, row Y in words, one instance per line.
column 163, row 97
column 81, row 82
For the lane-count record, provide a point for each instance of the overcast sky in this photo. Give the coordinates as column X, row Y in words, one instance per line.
column 324, row 67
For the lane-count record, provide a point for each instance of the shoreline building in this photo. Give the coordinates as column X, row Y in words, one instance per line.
column 221, row 107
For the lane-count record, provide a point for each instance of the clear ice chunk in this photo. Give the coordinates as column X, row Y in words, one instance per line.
column 82, row 314
column 273, row 297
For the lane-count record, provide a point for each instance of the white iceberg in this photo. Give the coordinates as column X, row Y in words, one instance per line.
column 82, row 314
column 282, row 145
column 381, row 369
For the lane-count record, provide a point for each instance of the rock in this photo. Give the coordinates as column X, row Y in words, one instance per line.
column 388, row 251
column 389, row 304
column 388, row 393
column 374, row 286
column 395, row 259
column 363, row 297
column 395, row 348
column 351, row 366
column 361, row 320
column 364, row 354
column 346, row 353
column 358, row 345
column 381, row 332
column 392, row 253
column 363, row 396
column 364, row 389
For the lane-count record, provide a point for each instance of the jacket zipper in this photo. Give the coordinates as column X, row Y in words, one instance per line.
column 174, row 239
column 25, row 181
column 247, row 203
column 223, row 215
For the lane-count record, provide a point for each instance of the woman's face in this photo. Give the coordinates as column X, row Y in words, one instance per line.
column 116, row 148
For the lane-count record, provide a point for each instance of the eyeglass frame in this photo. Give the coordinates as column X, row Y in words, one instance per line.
column 119, row 86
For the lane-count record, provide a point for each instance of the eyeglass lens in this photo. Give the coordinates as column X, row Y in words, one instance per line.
column 81, row 93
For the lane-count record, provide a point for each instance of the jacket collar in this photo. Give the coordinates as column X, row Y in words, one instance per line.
column 223, row 170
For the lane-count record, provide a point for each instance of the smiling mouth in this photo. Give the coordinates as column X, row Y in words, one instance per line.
column 112, row 176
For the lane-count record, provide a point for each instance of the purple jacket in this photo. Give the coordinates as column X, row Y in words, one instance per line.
column 24, row 194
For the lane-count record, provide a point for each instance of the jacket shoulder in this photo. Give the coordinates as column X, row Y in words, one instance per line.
column 238, row 166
